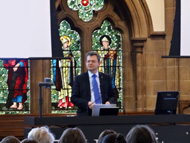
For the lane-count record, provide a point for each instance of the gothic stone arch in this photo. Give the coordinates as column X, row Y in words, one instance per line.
column 132, row 19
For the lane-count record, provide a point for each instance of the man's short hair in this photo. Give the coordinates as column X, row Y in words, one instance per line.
column 93, row 53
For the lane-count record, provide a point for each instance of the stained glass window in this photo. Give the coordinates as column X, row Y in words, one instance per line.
column 65, row 69
column 15, row 85
column 85, row 7
column 108, row 43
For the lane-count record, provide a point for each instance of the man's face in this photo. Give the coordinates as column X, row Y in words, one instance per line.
column 92, row 63
column 65, row 45
column 105, row 44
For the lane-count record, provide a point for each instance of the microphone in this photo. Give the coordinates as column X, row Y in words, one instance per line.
column 98, row 99
column 123, row 110
column 94, row 102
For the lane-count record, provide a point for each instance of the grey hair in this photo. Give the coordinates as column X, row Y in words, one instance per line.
column 41, row 134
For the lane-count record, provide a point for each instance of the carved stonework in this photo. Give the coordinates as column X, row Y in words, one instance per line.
column 138, row 44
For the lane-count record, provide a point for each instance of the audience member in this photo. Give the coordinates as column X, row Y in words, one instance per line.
column 113, row 138
column 141, row 134
column 10, row 139
column 29, row 141
column 104, row 133
column 73, row 135
column 41, row 134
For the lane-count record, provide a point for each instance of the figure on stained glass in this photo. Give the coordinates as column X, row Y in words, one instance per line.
column 109, row 60
column 17, row 82
column 64, row 71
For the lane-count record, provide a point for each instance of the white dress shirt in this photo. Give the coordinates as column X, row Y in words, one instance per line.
column 91, row 86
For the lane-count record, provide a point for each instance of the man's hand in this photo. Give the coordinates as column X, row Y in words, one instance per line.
column 107, row 102
column 90, row 104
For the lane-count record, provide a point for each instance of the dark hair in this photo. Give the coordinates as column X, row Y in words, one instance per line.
column 72, row 135
column 108, row 37
column 93, row 53
column 113, row 138
column 141, row 134
column 104, row 133
column 29, row 141
column 10, row 139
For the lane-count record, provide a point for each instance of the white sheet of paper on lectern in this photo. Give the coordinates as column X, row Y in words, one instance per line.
column 96, row 108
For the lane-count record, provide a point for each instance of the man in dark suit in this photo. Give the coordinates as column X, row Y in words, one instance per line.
column 83, row 91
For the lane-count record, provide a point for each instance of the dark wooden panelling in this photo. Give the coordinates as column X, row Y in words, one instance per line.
column 14, row 124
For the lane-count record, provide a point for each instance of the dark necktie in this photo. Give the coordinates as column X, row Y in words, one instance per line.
column 96, row 90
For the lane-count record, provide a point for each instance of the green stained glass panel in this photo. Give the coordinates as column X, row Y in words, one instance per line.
column 85, row 7
column 65, row 69
column 108, row 43
column 4, row 92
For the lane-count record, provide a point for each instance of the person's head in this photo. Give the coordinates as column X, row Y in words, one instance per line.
column 141, row 134
column 92, row 61
column 72, row 135
column 104, row 133
column 41, row 134
column 29, row 141
column 10, row 139
column 113, row 138
column 105, row 41
column 65, row 41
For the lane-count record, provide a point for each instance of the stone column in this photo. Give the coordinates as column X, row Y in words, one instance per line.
column 138, row 45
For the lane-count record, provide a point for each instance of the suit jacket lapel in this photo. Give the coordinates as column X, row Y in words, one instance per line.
column 101, row 78
column 86, row 80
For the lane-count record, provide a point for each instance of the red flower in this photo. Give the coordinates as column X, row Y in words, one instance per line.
column 85, row 2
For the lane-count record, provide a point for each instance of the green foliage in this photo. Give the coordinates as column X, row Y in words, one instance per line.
column 85, row 16
column 65, row 30
column 85, row 12
column 3, row 83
